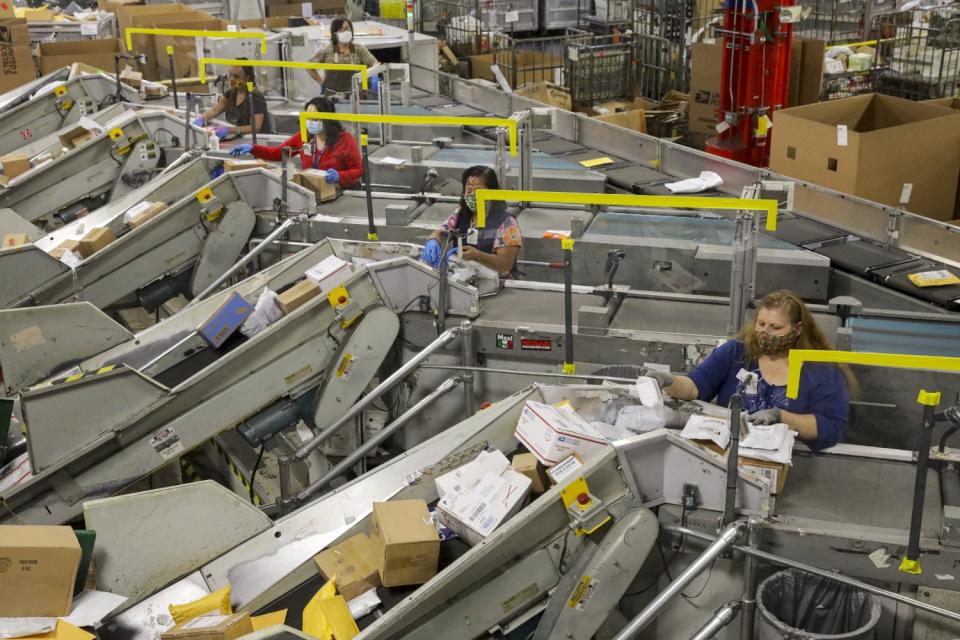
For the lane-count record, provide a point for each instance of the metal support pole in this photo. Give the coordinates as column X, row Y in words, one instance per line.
column 187, row 127
column 829, row 575
column 173, row 78
column 368, row 187
column 286, row 488
column 500, row 163
column 468, row 358
column 341, row 467
column 750, row 580
column 526, row 153
column 541, row 374
column 730, row 501
column 723, row 616
column 568, row 365
column 442, row 340
column 253, row 114
column 383, row 99
column 719, row 546
column 284, row 160
column 743, row 271
column 276, row 233
column 355, row 103
column 911, row 561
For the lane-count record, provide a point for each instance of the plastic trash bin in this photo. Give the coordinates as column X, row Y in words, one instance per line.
column 797, row 605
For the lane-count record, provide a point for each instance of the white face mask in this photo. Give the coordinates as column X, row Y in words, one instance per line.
column 314, row 127
column 345, row 36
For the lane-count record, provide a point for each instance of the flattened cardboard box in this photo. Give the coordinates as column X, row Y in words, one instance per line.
column 870, row 146
column 38, row 568
column 407, row 543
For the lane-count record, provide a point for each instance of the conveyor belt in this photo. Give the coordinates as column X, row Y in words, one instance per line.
column 879, row 335
column 804, row 233
column 526, row 306
column 861, row 257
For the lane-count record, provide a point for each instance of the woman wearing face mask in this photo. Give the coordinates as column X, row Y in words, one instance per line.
column 496, row 245
column 818, row 414
column 234, row 106
column 328, row 148
column 342, row 50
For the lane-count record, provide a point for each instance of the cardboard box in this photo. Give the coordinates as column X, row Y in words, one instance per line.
column 806, row 72
column 225, row 320
column 131, row 78
column 329, row 273
column 239, row 165
column 284, row 9
column 167, row 16
column 352, row 565
column 276, row 22
column 39, row 567
column 16, row 66
column 553, row 433
column 95, row 240
column 950, row 103
column 635, row 120
column 706, row 59
column 211, row 627
column 75, row 137
column 15, row 240
column 113, row 5
column 297, row 295
column 14, row 164
column 528, row 465
column 14, row 31
column 316, row 180
column 466, row 476
column 474, row 514
column 67, row 245
column 6, row 10
column 519, row 68
column 546, row 93
column 96, row 53
column 407, row 543
column 143, row 212
column 872, row 145
column 41, row 14
column 774, row 473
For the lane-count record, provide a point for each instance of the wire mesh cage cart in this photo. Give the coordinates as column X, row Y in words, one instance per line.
column 921, row 53
column 601, row 70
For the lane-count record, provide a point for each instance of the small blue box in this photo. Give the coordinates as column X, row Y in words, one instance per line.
column 225, row 320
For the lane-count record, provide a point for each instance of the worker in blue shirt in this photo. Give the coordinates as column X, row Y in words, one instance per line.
column 818, row 414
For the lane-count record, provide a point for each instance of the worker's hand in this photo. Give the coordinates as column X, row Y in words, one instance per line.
column 241, row 150
column 765, row 416
column 471, row 252
column 451, row 253
column 664, row 378
column 199, row 122
column 431, row 253
column 221, row 132
column 333, row 176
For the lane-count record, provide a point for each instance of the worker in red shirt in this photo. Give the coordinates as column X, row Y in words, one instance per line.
column 329, row 148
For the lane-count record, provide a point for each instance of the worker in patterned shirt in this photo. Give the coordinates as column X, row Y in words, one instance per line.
column 495, row 246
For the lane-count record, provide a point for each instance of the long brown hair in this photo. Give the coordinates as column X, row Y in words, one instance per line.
column 811, row 336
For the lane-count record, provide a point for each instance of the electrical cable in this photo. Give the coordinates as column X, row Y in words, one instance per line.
column 253, row 475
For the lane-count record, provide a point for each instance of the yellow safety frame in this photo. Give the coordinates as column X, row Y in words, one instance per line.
column 357, row 68
column 798, row 357
column 451, row 121
column 195, row 33
column 625, row 200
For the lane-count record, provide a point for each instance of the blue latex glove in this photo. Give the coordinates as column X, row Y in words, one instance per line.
column 333, row 176
column 221, row 132
column 374, row 83
column 200, row 122
column 765, row 416
column 450, row 253
column 431, row 253
column 216, row 173
column 241, row 150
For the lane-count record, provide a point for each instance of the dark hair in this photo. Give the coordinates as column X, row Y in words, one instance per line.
column 331, row 128
column 490, row 181
column 335, row 26
column 247, row 73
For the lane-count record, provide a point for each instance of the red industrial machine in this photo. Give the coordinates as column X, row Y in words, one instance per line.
column 755, row 79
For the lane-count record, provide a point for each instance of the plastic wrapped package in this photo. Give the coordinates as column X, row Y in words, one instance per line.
column 640, row 419
column 794, row 604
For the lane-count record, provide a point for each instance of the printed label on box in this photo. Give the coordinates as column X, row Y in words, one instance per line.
column 166, row 442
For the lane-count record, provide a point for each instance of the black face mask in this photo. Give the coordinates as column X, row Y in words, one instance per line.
column 772, row 345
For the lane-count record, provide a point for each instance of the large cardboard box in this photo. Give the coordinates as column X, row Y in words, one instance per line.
column 547, row 93
column 166, row 16
column 635, row 120
column 16, row 66
column 38, row 568
column 806, row 72
column 304, row 9
column 96, row 53
column 950, row 103
column 704, row 103
column 211, row 627
column 352, row 565
column 871, row 146
column 519, row 68
column 407, row 543
column 14, row 31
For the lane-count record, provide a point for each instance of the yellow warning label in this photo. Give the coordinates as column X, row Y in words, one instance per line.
column 582, row 593
column 345, row 366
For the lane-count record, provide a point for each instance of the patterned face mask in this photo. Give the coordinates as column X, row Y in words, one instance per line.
column 772, row 345
column 471, row 201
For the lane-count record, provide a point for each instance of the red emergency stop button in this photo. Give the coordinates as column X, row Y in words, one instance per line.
column 342, row 299
column 583, row 499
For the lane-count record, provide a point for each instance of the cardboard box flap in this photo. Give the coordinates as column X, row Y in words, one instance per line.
column 409, row 522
